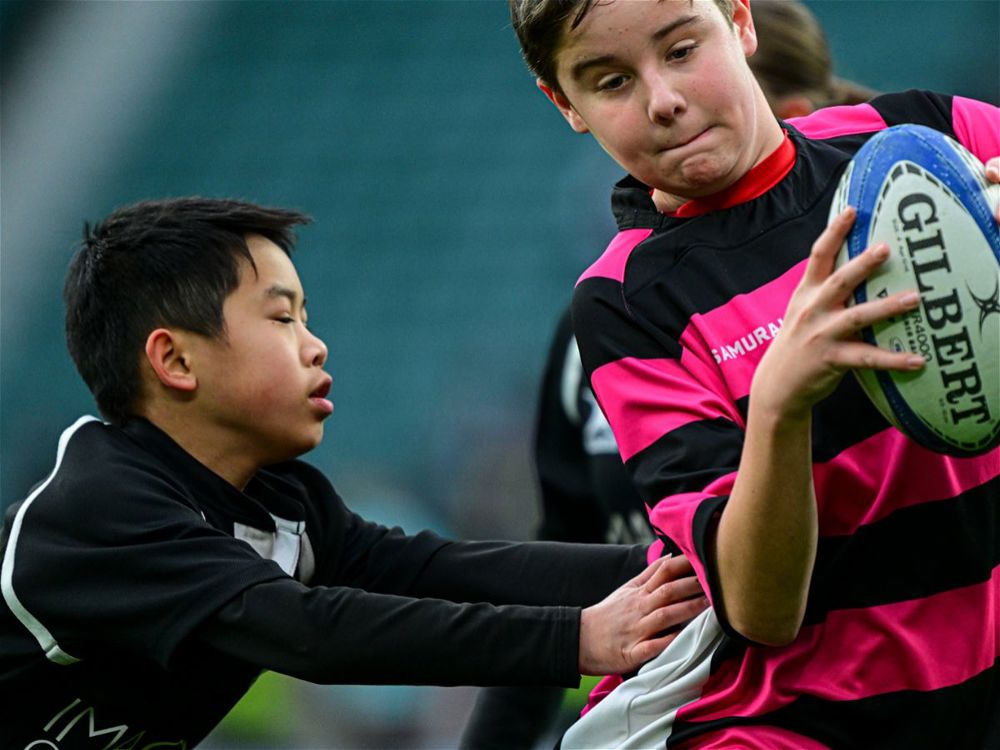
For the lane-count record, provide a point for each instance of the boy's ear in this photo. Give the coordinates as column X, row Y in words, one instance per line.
column 565, row 108
column 743, row 24
column 166, row 354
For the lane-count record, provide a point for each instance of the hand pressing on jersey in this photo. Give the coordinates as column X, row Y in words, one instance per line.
column 626, row 629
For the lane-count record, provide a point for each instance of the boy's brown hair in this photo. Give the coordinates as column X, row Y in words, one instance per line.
column 540, row 24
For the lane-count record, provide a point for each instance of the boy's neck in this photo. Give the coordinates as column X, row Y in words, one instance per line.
column 211, row 447
column 666, row 203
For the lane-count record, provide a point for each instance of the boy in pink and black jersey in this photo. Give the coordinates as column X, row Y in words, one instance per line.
column 854, row 575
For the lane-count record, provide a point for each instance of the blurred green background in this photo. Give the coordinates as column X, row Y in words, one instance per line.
column 453, row 210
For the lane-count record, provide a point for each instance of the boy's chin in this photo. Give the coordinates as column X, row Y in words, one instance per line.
column 300, row 445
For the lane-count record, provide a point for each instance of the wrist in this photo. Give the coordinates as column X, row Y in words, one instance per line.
column 585, row 657
column 777, row 415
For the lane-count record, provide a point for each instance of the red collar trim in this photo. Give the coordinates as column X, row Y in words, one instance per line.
column 754, row 183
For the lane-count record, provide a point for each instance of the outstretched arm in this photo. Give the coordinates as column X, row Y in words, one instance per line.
column 345, row 635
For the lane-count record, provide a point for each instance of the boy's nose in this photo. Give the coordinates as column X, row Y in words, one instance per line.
column 315, row 349
column 664, row 101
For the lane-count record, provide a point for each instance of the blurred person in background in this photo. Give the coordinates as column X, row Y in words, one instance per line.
column 586, row 494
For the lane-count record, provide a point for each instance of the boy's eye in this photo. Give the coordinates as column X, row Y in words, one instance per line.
column 611, row 83
column 285, row 319
column 681, row 53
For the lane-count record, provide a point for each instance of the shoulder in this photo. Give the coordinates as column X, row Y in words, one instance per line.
column 974, row 124
column 613, row 261
column 102, row 461
column 101, row 482
column 915, row 106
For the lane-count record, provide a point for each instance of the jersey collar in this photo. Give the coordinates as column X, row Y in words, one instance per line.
column 264, row 495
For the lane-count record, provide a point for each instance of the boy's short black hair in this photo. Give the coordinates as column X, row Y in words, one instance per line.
column 540, row 24
column 168, row 263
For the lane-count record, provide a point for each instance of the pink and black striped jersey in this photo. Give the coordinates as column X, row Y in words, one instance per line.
column 900, row 647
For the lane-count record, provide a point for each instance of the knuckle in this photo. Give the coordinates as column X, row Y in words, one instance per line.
column 856, row 318
column 842, row 284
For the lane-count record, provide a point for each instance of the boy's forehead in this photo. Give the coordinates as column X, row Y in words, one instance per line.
column 272, row 272
column 611, row 26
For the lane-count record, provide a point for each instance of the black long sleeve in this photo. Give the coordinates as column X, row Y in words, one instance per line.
column 343, row 635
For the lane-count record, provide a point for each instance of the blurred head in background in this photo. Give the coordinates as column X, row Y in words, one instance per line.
column 793, row 63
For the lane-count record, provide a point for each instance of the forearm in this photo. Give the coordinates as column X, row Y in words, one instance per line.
column 388, row 561
column 532, row 573
column 765, row 544
column 767, row 536
column 340, row 635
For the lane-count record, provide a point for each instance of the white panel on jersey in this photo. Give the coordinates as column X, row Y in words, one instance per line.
column 598, row 439
column 639, row 713
column 572, row 375
column 282, row 546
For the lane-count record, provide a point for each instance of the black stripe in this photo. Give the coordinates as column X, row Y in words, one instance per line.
column 695, row 265
column 686, row 459
column 913, row 553
column 917, row 107
column 959, row 717
column 607, row 332
column 844, row 419
column 705, row 524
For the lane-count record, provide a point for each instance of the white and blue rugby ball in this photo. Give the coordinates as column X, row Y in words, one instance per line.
column 927, row 197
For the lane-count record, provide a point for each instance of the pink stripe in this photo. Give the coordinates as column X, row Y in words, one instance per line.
column 844, row 120
column 602, row 690
column 611, row 264
column 922, row 644
column 736, row 335
column 674, row 516
column 977, row 126
column 904, row 473
column 750, row 738
column 645, row 399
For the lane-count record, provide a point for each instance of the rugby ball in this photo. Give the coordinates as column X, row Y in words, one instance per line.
column 927, row 197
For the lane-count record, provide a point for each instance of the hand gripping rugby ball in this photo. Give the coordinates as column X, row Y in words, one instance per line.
column 927, row 197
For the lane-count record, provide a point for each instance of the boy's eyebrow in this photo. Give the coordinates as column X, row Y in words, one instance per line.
column 276, row 290
column 578, row 69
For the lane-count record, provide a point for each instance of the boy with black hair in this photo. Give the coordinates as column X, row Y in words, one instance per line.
column 179, row 548
column 853, row 574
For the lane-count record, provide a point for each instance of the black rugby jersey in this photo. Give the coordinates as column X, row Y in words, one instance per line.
column 142, row 595
column 586, row 493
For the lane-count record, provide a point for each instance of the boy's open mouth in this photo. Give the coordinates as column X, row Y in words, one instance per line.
column 322, row 390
